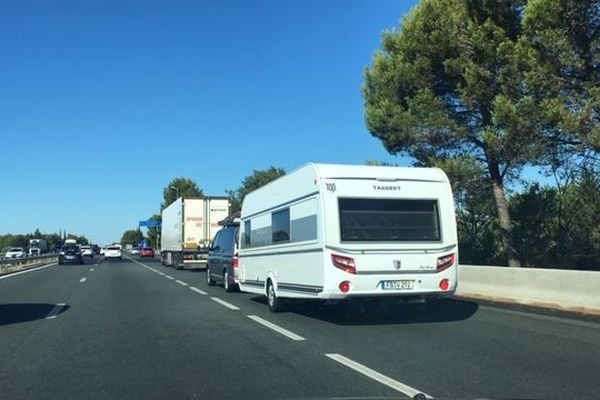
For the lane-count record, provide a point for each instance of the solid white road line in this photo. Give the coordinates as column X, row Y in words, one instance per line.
column 276, row 328
column 386, row 380
column 224, row 303
column 82, row 279
column 169, row 277
column 27, row 271
column 195, row 289
column 55, row 311
column 181, row 282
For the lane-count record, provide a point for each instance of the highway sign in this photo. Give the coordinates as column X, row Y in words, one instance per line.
column 150, row 223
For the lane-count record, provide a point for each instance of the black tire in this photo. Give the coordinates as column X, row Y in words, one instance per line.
column 274, row 303
column 209, row 280
column 226, row 284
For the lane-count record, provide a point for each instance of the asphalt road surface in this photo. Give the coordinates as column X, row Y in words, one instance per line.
column 137, row 330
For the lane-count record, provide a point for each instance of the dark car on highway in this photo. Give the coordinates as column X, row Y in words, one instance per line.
column 70, row 253
column 222, row 261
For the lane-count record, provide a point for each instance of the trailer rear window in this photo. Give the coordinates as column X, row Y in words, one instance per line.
column 389, row 220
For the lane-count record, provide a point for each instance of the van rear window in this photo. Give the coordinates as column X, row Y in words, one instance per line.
column 389, row 220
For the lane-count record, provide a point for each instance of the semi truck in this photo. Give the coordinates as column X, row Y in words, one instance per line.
column 37, row 247
column 187, row 229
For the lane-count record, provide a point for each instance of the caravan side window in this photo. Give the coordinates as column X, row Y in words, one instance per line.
column 247, row 231
column 280, row 225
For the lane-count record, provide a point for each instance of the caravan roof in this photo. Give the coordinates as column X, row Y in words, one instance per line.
column 306, row 179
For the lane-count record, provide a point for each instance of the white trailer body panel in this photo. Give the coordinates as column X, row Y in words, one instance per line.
column 188, row 226
column 171, row 235
column 216, row 209
column 396, row 226
column 193, row 225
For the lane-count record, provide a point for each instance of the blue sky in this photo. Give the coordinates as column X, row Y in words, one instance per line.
column 102, row 103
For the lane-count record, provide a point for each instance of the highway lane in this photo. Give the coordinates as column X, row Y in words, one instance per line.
column 132, row 333
column 143, row 330
column 462, row 350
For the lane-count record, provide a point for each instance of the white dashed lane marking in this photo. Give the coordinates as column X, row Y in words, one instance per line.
column 383, row 379
column 55, row 311
column 195, row 289
column 224, row 303
column 276, row 328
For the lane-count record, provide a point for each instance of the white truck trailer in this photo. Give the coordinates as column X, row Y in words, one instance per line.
column 188, row 226
column 37, row 247
column 344, row 231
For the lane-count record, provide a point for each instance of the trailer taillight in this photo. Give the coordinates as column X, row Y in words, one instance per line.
column 445, row 262
column 235, row 262
column 344, row 263
column 344, row 286
column 444, row 284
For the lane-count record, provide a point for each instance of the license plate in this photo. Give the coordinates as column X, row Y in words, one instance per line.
column 397, row 285
column 70, row 257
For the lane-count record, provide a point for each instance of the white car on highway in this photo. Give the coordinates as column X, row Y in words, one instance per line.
column 15, row 252
column 87, row 251
column 113, row 252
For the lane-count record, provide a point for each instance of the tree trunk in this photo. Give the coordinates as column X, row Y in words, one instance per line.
column 503, row 215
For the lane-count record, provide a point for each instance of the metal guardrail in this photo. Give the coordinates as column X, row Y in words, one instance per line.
column 8, row 265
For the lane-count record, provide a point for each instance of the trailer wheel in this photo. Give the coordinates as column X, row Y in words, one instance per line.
column 275, row 304
column 209, row 280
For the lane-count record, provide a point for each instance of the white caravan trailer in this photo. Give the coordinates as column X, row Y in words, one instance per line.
column 339, row 231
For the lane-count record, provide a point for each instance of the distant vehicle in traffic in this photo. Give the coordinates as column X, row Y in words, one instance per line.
column 102, row 251
column 37, row 247
column 188, row 225
column 344, row 231
column 96, row 249
column 222, row 264
column 87, row 251
column 70, row 253
column 113, row 251
column 15, row 252
column 135, row 251
column 147, row 252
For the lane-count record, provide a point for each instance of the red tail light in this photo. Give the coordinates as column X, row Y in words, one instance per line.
column 445, row 262
column 344, row 263
column 344, row 286
column 444, row 284
column 235, row 262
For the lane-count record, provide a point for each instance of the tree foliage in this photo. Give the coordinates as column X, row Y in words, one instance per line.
column 154, row 233
column 555, row 226
column 132, row 237
column 257, row 179
column 562, row 47
column 482, row 84
column 53, row 240
column 180, row 187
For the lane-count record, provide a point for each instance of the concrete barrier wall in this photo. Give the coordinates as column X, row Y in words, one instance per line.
column 8, row 266
column 573, row 290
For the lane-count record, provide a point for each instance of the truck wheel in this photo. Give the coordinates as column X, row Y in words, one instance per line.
column 209, row 280
column 275, row 304
column 226, row 284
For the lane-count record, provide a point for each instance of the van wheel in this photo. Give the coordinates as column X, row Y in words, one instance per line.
column 275, row 304
column 226, row 285
column 209, row 280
